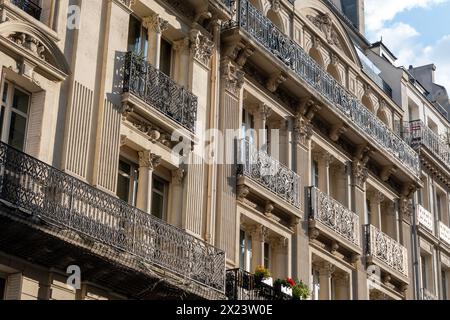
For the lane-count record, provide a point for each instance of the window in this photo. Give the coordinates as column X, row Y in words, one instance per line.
column 424, row 267
column 14, row 116
column 159, row 197
column 439, row 206
column 248, row 125
column 266, row 255
column 368, row 212
column 315, row 174
column 245, row 251
column 127, row 183
column 165, row 63
column 137, row 37
column 444, row 285
column 2, row 287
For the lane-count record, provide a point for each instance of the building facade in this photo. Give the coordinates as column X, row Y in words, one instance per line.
column 163, row 149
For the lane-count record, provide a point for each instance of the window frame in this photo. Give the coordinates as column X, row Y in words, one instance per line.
column 5, row 281
column 165, row 195
column 7, row 108
column 133, row 177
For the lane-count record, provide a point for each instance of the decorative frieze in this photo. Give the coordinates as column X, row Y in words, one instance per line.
column 30, row 43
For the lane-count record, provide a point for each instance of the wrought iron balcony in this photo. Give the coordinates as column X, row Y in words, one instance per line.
column 334, row 216
column 30, row 7
column 241, row 285
column 385, row 249
column 268, row 172
column 63, row 201
column 262, row 30
column 420, row 135
column 428, row 296
column 444, row 233
column 425, row 218
column 158, row 90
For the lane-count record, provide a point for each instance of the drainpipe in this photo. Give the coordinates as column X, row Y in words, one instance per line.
column 415, row 252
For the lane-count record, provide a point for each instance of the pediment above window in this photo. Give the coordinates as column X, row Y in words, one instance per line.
column 27, row 44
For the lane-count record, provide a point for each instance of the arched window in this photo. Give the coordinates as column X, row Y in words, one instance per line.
column 317, row 56
column 276, row 19
column 384, row 117
column 367, row 102
column 334, row 71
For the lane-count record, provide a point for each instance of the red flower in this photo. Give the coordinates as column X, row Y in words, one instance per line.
column 291, row 282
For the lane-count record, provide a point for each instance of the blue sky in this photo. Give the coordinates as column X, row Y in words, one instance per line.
column 417, row 31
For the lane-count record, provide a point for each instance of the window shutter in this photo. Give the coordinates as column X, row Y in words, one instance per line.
column 14, row 287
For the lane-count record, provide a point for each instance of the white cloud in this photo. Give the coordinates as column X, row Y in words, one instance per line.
column 379, row 12
column 403, row 39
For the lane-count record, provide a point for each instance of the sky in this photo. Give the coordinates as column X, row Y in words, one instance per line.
column 416, row 31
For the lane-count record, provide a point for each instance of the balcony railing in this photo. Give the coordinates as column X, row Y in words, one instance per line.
column 157, row 89
column 242, row 285
column 444, row 233
column 30, row 7
column 263, row 31
column 382, row 247
column 268, row 172
column 428, row 296
column 334, row 215
column 420, row 135
column 59, row 199
column 425, row 218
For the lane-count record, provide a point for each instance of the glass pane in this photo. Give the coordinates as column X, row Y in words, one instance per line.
column 158, row 205
column 2, row 116
column 124, row 167
column 242, row 250
column 21, row 101
column 134, row 35
column 166, row 57
column 17, row 131
column 5, row 92
column 123, row 188
column 158, row 185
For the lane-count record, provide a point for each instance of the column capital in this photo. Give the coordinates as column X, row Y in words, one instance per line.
column 155, row 23
column 232, row 76
column 149, row 160
column 259, row 232
column 325, row 268
column 201, row 46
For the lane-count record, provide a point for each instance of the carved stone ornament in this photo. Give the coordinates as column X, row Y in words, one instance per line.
column 30, row 43
column 201, row 46
column 155, row 23
column 233, row 76
column 323, row 22
column 149, row 160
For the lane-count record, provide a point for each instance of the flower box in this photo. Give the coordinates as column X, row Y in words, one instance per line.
column 268, row 281
column 286, row 290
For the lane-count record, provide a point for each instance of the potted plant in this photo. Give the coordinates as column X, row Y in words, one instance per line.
column 284, row 286
column 300, row 291
column 262, row 275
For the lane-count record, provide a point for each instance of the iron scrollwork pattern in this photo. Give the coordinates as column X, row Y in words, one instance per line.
column 157, row 89
column 62, row 200
column 269, row 172
column 335, row 216
column 263, row 31
column 420, row 135
column 386, row 249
